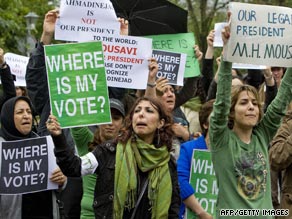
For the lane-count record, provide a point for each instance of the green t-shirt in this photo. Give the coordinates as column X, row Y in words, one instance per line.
column 242, row 170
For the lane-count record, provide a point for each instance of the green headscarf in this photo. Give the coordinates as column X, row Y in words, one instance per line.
column 148, row 158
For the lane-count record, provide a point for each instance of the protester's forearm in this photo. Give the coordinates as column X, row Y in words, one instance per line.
column 207, row 74
column 187, row 91
column 69, row 163
column 59, row 142
column 209, row 53
column 192, row 203
column 212, row 91
column 46, row 38
column 150, row 89
column 7, row 84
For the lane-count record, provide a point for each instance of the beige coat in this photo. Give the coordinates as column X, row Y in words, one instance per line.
column 281, row 160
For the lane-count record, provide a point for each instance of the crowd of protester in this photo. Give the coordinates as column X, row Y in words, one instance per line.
column 139, row 165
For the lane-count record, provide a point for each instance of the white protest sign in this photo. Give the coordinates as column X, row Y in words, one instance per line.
column 219, row 43
column 126, row 61
column 17, row 64
column 171, row 65
column 260, row 35
column 247, row 66
column 26, row 165
column 218, row 38
column 86, row 20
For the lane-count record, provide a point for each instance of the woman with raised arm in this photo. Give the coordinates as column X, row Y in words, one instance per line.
column 239, row 137
column 137, row 167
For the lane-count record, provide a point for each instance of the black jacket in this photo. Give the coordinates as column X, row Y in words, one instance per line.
column 104, row 188
column 38, row 92
column 8, row 87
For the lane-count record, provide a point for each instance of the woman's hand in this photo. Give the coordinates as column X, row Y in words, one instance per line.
column 225, row 33
column 268, row 72
column 153, row 69
column 269, row 79
column 124, row 26
column 50, row 21
column 198, row 53
column 205, row 215
column 160, row 85
column 210, row 38
column 58, row 177
column 210, row 49
column 49, row 26
column 197, row 135
column 53, row 126
column 181, row 131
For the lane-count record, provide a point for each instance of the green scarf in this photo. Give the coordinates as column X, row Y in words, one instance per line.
column 148, row 158
column 194, row 104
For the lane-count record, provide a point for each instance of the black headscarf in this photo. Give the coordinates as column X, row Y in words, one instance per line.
column 8, row 129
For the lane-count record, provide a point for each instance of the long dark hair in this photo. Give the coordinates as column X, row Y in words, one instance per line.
column 96, row 140
column 165, row 133
column 204, row 113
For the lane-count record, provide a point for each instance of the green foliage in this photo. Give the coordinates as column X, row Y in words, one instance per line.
column 202, row 17
column 13, row 24
column 205, row 13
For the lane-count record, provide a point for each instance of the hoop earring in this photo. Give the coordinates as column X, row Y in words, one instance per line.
column 158, row 137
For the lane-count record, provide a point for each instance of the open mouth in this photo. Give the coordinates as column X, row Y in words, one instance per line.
column 141, row 124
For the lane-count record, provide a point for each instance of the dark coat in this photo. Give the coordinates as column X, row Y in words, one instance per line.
column 104, row 189
column 38, row 92
column 7, row 85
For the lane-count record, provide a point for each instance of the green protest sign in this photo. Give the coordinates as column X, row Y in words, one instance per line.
column 77, row 84
column 180, row 43
column 203, row 180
